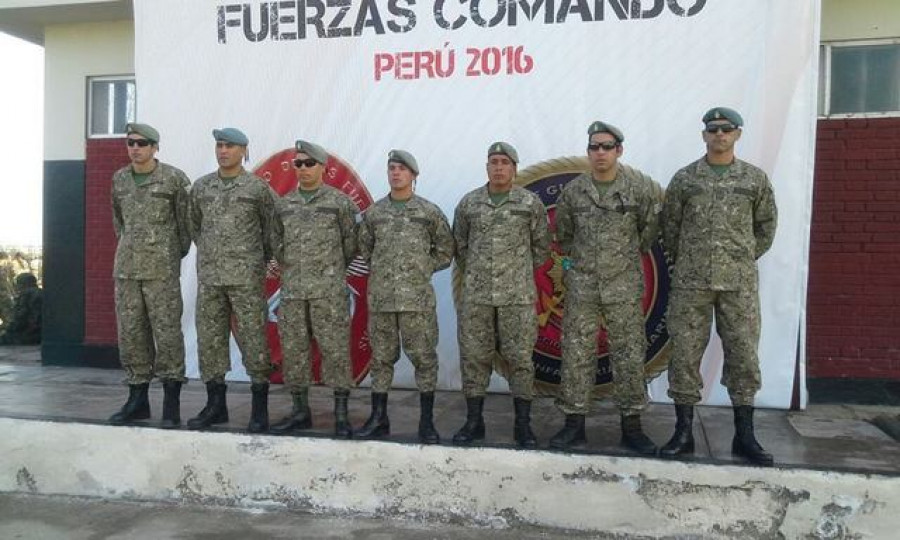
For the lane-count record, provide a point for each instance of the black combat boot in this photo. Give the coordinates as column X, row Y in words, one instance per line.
column 342, row 427
column 259, row 408
column 745, row 444
column 634, row 438
column 300, row 417
column 171, row 417
column 473, row 429
column 522, row 428
column 378, row 425
column 136, row 408
column 216, row 409
column 427, row 433
column 572, row 433
column 682, row 441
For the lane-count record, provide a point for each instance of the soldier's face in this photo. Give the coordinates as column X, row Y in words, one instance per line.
column 140, row 150
column 399, row 176
column 229, row 155
column 309, row 173
column 603, row 152
column 501, row 171
column 720, row 136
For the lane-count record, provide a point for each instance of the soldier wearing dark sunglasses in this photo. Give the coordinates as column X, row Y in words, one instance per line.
column 719, row 217
column 315, row 242
column 605, row 218
column 150, row 217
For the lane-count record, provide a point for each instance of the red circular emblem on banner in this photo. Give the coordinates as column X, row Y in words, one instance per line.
column 278, row 171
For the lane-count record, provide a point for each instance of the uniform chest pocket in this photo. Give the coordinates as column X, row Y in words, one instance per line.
column 326, row 215
column 160, row 206
column 244, row 207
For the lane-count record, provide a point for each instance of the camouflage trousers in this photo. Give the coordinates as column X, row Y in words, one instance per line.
column 327, row 322
column 418, row 332
column 689, row 317
column 148, row 318
column 485, row 331
column 215, row 306
column 624, row 324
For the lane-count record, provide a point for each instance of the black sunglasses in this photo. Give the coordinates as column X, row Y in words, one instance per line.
column 606, row 146
column 309, row 163
column 724, row 128
column 139, row 142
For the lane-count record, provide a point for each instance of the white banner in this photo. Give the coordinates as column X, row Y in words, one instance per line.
column 445, row 79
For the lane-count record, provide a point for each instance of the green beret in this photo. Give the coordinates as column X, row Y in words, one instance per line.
column 232, row 135
column 144, row 130
column 723, row 113
column 405, row 158
column 603, row 127
column 504, row 148
column 312, row 150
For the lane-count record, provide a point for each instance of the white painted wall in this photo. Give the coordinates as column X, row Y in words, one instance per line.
column 72, row 53
column 486, row 486
column 844, row 20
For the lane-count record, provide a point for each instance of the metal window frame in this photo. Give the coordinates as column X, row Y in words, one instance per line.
column 89, row 108
column 828, row 46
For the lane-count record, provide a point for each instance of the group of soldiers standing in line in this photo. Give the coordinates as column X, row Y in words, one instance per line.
column 717, row 217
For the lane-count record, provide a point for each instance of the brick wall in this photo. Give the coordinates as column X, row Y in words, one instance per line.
column 104, row 156
column 854, row 274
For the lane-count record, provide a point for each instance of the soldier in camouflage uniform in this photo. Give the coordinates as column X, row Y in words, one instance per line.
column 719, row 217
column 605, row 218
column 232, row 214
column 150, row 215
column 501, row 236
column 24, row 324
column 315, row 231
column 405, row 239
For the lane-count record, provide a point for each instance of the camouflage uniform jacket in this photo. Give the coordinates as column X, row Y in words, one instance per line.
column 499, row 246
column 604, row 236
column 314, row 242
column 404, row 247
column 231, row 222
column 715, row 226
column 151, row 223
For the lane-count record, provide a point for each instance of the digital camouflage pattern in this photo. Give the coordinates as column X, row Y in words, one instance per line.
column 404, row 246
column 498, row 247
column 485, row 330
column 315, row 241
column 215, row 306
column 232, row 224
column 417, row 331
column 715, row 226
column 148, row 317
column 151, row 222
column 325, row 319
column 603, row 237
column 25, row 322
column 737, row 323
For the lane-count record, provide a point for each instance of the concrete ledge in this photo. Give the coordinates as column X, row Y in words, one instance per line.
column 481, row 485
